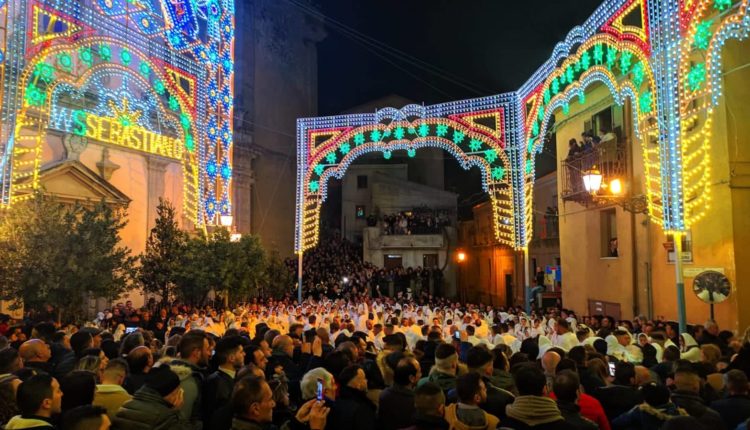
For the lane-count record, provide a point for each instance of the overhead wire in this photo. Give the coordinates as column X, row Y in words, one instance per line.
column 386, row 49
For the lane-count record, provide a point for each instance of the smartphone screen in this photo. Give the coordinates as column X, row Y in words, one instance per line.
column 611, row 369
column 319, row 393
column 457, row 334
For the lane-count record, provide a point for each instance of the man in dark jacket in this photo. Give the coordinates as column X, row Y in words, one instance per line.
column 352, row 410
column 140, row 359
column 429, row 404
column 622, row 396
column 686, row 395
column 589, row 380
column 735, row 408
column 156, row 405
column 230, row 356
column 400, row 396
column 533, row 409
column 282, row 356
column 36, row 355
column 195, row 351
column 252, row 405
column 480, row 360
column 566, row 388
column 443, row 374
column 38, row 399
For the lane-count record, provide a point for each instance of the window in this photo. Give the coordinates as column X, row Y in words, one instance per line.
column 429, row 260
column 392, row 261
column 608, row 229
column 359, row 211
column 361, row 181
column 687, row 248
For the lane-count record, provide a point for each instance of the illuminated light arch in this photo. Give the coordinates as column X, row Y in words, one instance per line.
column 634, row 80
column 700, row 71
column 26, row 172
column 475, row 137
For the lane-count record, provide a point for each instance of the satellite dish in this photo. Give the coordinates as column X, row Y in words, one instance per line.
column 712, row 287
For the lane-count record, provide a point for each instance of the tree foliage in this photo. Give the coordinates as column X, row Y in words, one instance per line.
column 216, row 263
column 63, row 255
column 166, row 249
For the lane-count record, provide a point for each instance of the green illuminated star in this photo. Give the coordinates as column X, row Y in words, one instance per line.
column 490, row 155
column 458, row 137
column 498, row 173
column 442, row 130
column 697, row 76
column 703, row 35
column 475, row 145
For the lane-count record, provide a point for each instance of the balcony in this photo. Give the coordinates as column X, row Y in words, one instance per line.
column 546, row 229
column 609, row 158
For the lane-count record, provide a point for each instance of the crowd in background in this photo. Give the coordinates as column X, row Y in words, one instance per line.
column 417, row 221
column 366, row 363
column 334, row 269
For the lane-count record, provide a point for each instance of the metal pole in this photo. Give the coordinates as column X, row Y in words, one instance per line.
column 681, row 317
column 299, row 276
column 526, row 279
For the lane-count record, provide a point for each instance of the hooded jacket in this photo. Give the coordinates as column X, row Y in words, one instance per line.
column 535, row 412
column 111, row 398
column 691, row 351
column 149, row 411
column 29, row 423
column 647, row 417
column 191, row 381
column 451, row 416
column 695, row 406
column 443, row 380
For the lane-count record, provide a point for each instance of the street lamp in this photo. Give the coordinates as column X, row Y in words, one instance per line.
column 592, row 181
column 461, row 259
column 226, row 220
column 461, row 256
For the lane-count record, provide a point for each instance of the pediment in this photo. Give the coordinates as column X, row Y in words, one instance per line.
column 72, row 182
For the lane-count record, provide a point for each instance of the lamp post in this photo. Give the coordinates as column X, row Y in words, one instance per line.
column 461, row 259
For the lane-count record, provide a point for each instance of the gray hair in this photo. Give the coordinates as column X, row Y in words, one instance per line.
column 309, row 382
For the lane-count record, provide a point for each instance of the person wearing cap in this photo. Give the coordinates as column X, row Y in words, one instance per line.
column 156, row 405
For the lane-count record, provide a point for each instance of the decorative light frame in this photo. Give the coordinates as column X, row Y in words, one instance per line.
column 179, row 54
column 327, row 146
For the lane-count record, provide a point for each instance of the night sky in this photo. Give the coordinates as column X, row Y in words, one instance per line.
column 492, row 45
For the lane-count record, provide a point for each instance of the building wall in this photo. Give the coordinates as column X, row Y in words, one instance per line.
column 492, row 273
column 545, row 243
column 736, row 111
column 352, row 195
column 285, row 75
column 389, row 190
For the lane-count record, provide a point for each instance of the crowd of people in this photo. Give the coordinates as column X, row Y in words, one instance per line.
column 416, row 221
column 334, row 269
column 366, row 363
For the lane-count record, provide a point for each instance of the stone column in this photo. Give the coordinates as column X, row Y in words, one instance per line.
column 157, row 168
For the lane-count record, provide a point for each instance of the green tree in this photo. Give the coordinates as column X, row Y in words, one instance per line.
column 232, row 269
column 165, row 253
column 62, row 255
column 277, row 278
